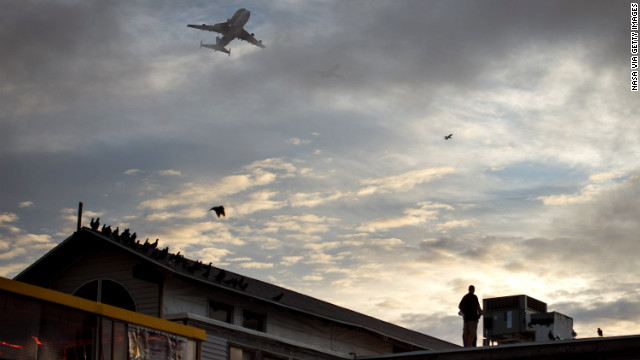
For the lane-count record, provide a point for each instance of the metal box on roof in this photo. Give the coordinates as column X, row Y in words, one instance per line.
column 505, row 318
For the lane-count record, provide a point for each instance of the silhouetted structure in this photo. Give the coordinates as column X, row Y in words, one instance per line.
column 521, row 318
column 241, row 315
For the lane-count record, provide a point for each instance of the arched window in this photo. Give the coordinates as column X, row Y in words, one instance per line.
column 107, row 292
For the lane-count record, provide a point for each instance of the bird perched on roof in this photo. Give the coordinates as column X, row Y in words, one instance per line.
column 243, row 284
column 278, row 297
column 95, row 224
column 599, row 332
column 448, row 137
column 207, row 271
column 219, row 210
column 125, row 237
column 221, row 275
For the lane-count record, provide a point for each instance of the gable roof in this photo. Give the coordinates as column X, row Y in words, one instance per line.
column 85, row 239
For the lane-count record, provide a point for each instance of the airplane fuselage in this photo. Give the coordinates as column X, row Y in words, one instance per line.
column 237, row 22
column 236, row 25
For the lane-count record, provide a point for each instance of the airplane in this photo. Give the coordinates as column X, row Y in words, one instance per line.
column 448, row 137
column 231, row 29
column 329, row 73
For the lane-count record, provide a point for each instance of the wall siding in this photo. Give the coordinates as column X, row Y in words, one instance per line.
column 215, row 348
column 105, row 263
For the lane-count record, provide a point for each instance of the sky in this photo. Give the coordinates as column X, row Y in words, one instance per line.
column 342, row 187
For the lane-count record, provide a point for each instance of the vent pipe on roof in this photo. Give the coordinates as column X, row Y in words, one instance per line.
column 79, row 216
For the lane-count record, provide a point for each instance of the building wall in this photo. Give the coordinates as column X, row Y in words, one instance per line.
column 107, row 263
column 182, row 297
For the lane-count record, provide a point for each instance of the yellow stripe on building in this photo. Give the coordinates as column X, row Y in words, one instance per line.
column 105, row 310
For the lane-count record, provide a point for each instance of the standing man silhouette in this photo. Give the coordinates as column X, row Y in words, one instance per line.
column 471, row 312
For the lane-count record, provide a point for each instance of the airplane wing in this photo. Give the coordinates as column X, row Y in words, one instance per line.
column 244, row 35
column 222, row 28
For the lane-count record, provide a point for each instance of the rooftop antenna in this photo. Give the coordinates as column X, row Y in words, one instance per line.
column 79, row 215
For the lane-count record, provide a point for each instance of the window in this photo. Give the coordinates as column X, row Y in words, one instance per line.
column 221, row 312
column 236, row 353
column 35, row 329
column 254, row 321
column 107, row 292
column 239, row 353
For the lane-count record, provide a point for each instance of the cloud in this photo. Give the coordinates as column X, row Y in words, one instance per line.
column 606, row 176
column 304, row 224
column 452, row 224
column 426, row 212
column 586, row 194
column 132, row 172
column 256, row 265
column 315, row 199
column 260, row 200
column 403, row 182
column 7, row 217
column 189, row 238
column 290, row 260
column 200, row 194
column 26, row 204
column 170, row 172
column 297, row 141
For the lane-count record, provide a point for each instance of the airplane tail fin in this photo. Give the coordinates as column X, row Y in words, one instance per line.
column 217, row 46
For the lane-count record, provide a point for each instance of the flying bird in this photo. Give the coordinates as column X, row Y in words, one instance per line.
column 448, row 137
column 219, row 210
column 599, row 332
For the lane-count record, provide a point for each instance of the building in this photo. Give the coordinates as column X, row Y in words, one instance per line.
column 38, row 323
column 244, row 318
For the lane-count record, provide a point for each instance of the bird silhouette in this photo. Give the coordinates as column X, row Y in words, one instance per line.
column 219, row 210
column 242, row 284
column 599, row 332
column 448, row 137
column 163, row 253
column 278, row 297
column 125, row 237
column 231, row 282
column 221, row 275
column 207, row 271
column 95, row 224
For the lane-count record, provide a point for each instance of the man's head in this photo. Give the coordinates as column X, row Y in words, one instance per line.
column 472, row 289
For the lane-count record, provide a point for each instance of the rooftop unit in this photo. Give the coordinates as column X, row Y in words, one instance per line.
column 505, row 318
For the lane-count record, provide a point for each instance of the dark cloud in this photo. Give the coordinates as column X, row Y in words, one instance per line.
column 58, row 42
column 596, row 236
